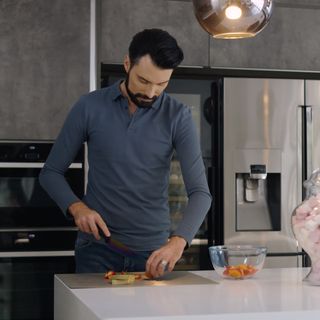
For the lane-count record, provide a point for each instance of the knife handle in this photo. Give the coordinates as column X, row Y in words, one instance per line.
column 102, row 235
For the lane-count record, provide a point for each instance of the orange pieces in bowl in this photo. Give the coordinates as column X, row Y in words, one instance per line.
column 240, row 271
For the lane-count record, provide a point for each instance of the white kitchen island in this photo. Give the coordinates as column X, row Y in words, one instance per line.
column 271, row 294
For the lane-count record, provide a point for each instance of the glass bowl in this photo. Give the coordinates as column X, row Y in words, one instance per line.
column 237, row 261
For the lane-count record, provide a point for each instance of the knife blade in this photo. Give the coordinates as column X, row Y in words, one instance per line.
column 117, row 246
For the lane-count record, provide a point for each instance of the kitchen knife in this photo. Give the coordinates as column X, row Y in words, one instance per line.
column 117, row 246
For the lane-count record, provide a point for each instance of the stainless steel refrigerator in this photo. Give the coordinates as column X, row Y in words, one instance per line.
column 267, row 133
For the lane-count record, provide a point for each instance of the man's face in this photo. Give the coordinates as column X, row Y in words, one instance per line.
column 145, row 81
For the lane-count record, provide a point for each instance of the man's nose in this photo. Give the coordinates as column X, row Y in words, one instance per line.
column 151, row 92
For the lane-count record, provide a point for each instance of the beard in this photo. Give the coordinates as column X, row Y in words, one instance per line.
column 139, row 99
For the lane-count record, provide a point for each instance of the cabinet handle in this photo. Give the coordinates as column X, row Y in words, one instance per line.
column 21, row 241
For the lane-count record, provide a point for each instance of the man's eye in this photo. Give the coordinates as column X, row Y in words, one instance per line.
column 143, row 81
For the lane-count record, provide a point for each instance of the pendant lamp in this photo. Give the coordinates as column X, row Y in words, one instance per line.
column 233, row 19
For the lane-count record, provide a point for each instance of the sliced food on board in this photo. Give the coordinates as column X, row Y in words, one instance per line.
column 126, row 277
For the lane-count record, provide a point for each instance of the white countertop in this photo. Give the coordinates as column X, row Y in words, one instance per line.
column 271, row 294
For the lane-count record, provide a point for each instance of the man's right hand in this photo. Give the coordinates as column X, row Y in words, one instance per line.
column 88, row 220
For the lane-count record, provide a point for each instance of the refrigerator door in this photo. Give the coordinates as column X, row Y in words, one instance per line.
column 262, row 162
column 313, row 125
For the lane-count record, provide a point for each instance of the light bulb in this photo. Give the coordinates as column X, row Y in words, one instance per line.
column 233, row 12
column 233, row 19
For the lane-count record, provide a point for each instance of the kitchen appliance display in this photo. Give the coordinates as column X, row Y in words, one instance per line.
column 36, row 239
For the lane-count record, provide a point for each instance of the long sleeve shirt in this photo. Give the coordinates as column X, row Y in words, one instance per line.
column 129, row 158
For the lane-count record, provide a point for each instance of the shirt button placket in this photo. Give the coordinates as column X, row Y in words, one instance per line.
column 133, row 119
column 131, row 123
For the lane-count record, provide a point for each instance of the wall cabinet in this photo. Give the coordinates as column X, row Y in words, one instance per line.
column 288, row 42
column 44, row 63
column 121, row 19
column 44, row 54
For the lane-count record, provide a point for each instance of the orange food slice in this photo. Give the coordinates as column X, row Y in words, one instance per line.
column 239, row 271
column 118, row 275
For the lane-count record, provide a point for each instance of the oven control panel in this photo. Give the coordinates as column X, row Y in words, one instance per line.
column 31, row 151
column 38, row 240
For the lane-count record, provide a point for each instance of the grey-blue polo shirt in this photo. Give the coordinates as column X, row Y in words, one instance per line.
column 129, row 160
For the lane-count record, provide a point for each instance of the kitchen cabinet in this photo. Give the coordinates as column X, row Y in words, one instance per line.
column 289, row 41
column 122, row 19
column 44, row 63
column 296, row 3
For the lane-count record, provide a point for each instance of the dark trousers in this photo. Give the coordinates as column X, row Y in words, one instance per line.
column 94, row 256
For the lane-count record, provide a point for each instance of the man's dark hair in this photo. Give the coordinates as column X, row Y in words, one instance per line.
column 159, row 44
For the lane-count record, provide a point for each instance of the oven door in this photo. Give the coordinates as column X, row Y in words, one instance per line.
column 25, row 204
column 27, row 283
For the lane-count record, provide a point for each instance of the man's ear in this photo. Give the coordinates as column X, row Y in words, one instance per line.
column 126, row 63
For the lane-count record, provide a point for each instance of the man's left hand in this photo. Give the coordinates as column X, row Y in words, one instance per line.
column 165, row 257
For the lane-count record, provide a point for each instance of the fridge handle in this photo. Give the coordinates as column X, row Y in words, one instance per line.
column 213, row 102
column 215, row 220
column 307, row 134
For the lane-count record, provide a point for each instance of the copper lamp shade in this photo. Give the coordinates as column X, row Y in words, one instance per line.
column 233, row 19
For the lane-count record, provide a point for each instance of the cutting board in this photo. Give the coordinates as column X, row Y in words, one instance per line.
column 97, row 280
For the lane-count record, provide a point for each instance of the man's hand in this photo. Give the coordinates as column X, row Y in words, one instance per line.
column 165, row 257
column 88, row 220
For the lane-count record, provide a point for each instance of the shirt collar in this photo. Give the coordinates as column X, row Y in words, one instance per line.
column 115, row 90
column 116, row 93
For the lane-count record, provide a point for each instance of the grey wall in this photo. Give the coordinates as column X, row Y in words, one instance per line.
column 44, row 64
column 121, row 19
column 44, row 50
column 290, row 41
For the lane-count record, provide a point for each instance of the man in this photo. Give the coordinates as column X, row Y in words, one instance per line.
column 132, row 129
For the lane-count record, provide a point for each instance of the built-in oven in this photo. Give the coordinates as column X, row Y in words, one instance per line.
column 36, row 239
